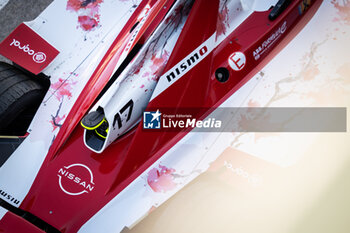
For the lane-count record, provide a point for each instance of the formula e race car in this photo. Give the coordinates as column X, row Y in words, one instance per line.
column 82, row 149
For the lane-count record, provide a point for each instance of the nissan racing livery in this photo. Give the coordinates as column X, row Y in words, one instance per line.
column 76, row 155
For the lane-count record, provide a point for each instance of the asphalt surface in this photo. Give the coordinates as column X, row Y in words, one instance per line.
column 15, row 12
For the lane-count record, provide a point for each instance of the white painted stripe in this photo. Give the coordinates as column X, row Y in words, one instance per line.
column 2, row 212
column 3, row 3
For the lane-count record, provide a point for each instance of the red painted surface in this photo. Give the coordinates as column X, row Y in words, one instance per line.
column 27, row 49
column 124, row 160
column 12, row 223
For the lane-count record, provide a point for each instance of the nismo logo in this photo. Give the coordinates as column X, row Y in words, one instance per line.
column 185, row 65
column 7, row 197
column 192, row 60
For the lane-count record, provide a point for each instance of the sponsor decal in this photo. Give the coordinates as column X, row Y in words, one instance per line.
column 237, row 61
column 270, row 41
column 28, row 49
column 253, row 179
column 38, row 57
column 191, row 61
column 243, row 171
column 25, row 48
column 76, row 179
column 9, row 198
column 127, row 108
column 186, row 64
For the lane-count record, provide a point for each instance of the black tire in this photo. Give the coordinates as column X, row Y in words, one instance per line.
column 20, row 97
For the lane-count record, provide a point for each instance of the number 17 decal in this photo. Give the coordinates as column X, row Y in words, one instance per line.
column 117, row 118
